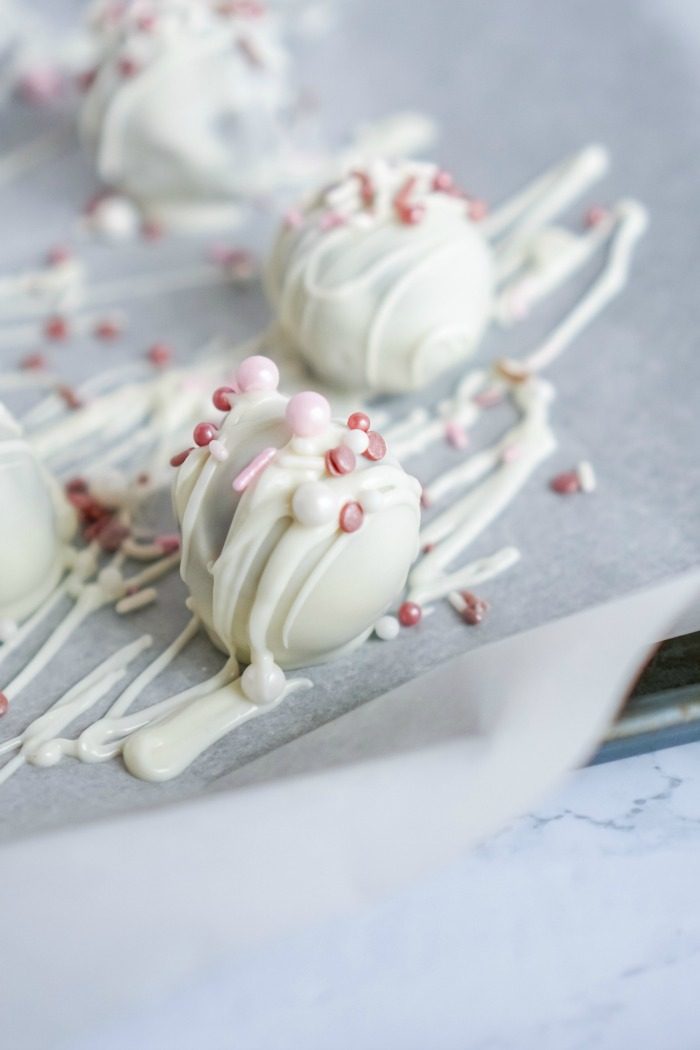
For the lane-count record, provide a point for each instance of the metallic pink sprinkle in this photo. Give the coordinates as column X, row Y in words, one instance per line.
column 254, row 469
column 58, row 254
column 160, row 354
column 351, row 516
column 179, row 458
column 410, row 614
column 340, row 460
column 4, row 704
column 475, row 608
column 33, row 362
column 377, row 446
column 456, row 434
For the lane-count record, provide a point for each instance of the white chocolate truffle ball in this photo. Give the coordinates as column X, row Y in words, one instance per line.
column 293, row 569
column 35, row 524
column 185, row 107
column 384, row 280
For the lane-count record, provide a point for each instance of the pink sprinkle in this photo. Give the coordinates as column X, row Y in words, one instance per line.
column 41, row 86
column 474, row 608
column 69, row 396
column 293, row 218
column 478, row 209
column 488, row 398
column 204, row 433
column 366, row 188
column 85, row 80
column 4, row 704
column 425, row 500
column 107, row 329
column 340, row 460
column 510, row 453
column 56, row 329
column 58, row 254
column 221, row 398
column 566, row 484
column 179, row 458
column 443, row 182
column 128, row 67
column 595, row 215
column 351, row 516
column 456, row 434
column 152, row 230
column 33, row 362
column 169, row 542
column 331, row 220
column 254, row 469
column 359, row 421
column 160, row 354
column 376, row 449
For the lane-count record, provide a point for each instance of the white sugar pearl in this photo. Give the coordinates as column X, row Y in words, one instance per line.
column 357, row 440
column 218, row 450
column 112, row 582
column 314, row 504
column 116, row 218
column 387, row 628
column 371, row 501
column 263, row 683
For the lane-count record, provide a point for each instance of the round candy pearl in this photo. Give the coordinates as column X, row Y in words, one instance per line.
column 257, row 373
column 410, row 614
column 358, row 421
column 356, row 440
column 308, row 414
column 204, row 433
column 387, row 628
column 263, row 683
column 221, row 398
column 314, row 504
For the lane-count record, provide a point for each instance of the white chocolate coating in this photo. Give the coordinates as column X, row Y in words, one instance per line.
column 372, row 301
column 35, row 524
column 185, row 116
column 267, row 585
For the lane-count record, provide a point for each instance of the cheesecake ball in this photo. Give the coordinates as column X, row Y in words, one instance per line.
column 185, row 108
column 298, row 530
column 36, row 524
column 383, row 280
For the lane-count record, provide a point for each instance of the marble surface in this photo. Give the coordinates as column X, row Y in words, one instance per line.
column 578, row 927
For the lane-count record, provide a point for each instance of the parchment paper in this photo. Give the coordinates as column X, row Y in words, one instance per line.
column 515, row 87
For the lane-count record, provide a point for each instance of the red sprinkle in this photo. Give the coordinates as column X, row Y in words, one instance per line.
column 111, row 536
column 69, row 396
column 595, row 215
column 107, row 329
column 128, row 67
column 358, row 421
column 33, row 362
column 351, row 516
column 204, row 433
column 160, row 355
column 56, row 328
column 566, row 484
column 340, row 460
column 366, row 188
column 4, row 704
column 179, row 458
column 410, row 614
column 474, row 610
column 376, row 448
column 220, row 398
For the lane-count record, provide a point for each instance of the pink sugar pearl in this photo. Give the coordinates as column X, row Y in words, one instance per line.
column 308, row 414
column 257, row 373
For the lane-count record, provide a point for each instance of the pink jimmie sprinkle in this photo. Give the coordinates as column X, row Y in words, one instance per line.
column 254, row 469
column 456, row 435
